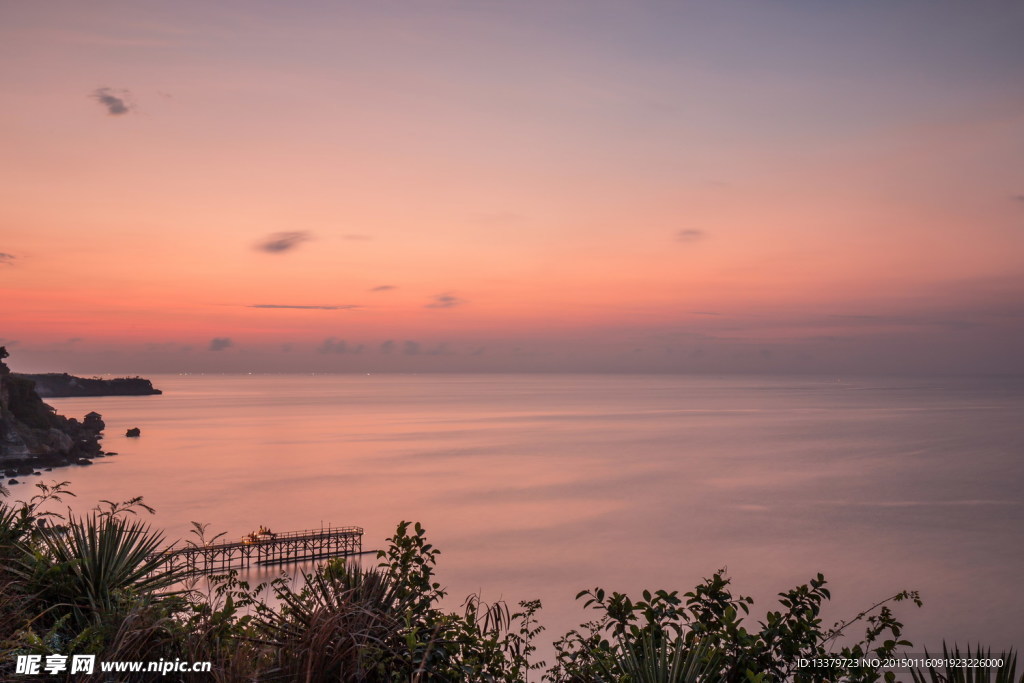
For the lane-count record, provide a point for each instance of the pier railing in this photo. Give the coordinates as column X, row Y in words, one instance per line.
column 265, row 549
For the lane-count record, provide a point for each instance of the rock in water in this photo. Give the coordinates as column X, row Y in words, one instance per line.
column 93, row 422
column 134, row 431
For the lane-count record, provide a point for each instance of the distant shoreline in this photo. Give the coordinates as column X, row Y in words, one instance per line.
column 63, row 385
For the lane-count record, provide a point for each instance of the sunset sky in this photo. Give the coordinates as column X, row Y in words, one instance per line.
column 486, row 185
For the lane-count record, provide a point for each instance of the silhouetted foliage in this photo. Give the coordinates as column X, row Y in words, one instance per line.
column 97, row 585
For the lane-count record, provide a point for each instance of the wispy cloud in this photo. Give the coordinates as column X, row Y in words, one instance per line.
column 690, row 235
column 279, row 242
column 1019, row 197
column 116, row 102
column 6, row 259
column 357, row 237
column 383, row 288
column 345, row 307
column 220, row 343
column 387, row 346
column 905, row 320
column 411, row 348
column 446, row 300
column 332, row 345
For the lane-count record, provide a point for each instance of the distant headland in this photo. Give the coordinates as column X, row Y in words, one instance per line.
column 34, row 437
column 61, row 385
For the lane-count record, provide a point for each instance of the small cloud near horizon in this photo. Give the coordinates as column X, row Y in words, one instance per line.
column 345, row 307
column 332, row 345
column 116, row 102
column 446, row 300
column 382, row 288
column 280, row 242
column 220, row 343
column 690, row 235
column 7, row 259
column 1019, row 197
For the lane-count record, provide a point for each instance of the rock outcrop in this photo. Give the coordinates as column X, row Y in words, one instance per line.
column 32, row 434
column 61, row 384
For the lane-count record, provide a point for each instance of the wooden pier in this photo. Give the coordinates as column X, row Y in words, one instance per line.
column 266, row 549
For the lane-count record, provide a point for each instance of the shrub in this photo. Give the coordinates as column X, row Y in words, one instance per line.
column 98, row 584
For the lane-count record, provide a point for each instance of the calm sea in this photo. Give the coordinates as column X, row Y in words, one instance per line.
column 543, row 485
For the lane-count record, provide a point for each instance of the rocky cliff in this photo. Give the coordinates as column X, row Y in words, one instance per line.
column 32, row 434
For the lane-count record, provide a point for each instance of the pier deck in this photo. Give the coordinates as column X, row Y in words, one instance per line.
column 291, row 546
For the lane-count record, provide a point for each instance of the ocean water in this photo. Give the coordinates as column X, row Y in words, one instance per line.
column 539, row 486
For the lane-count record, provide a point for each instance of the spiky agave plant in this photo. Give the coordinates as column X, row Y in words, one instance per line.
column 95, row 566
column 651, row 657
column 1004, row 672
column 342, row 625
column 15, row 525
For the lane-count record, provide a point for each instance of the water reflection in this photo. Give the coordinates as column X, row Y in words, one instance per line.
column 539, row 486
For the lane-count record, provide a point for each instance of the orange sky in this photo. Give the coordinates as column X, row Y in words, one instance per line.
column 512, row 186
